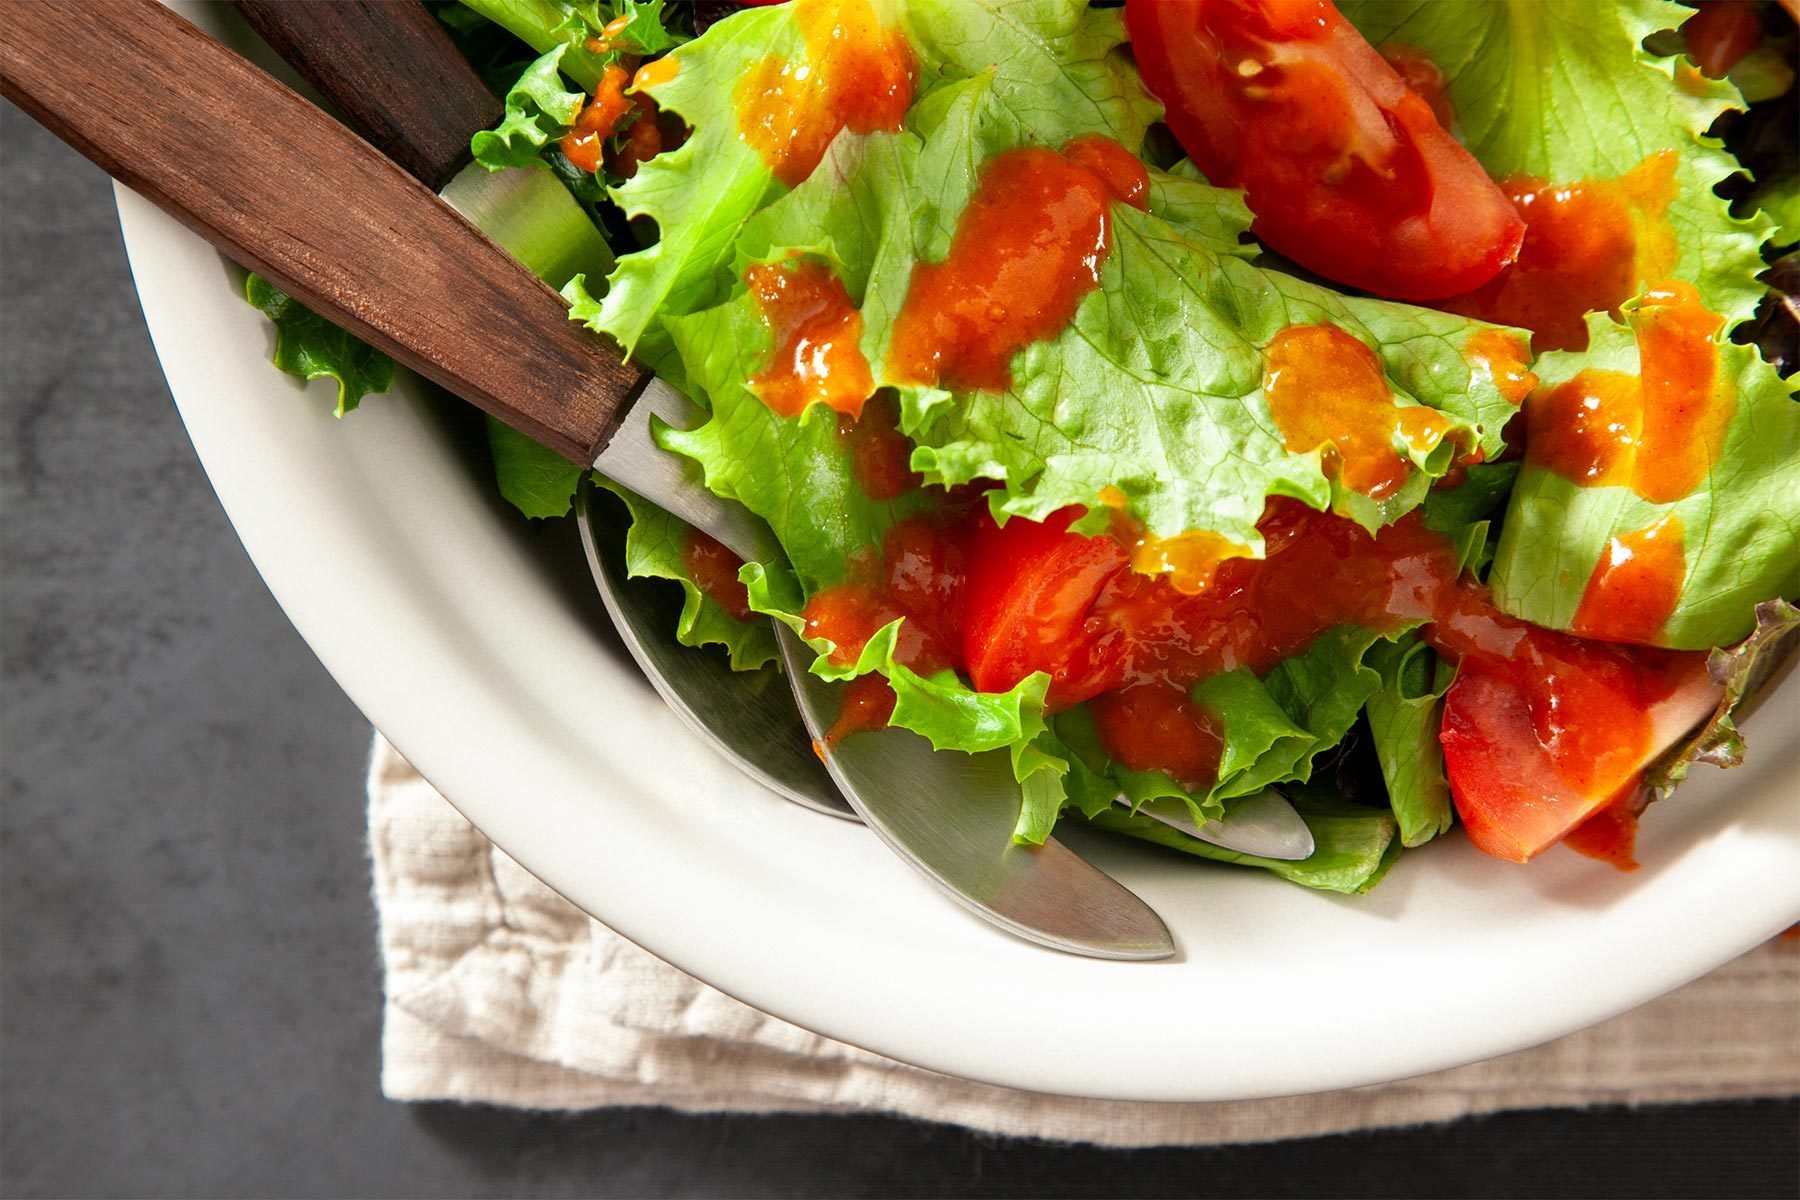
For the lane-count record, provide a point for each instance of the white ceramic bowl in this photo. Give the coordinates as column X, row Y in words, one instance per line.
column 476, row 652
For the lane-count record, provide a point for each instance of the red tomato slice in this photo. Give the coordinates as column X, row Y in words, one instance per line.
column 1025, row 602
column 1347, row 170
column 1521, row 787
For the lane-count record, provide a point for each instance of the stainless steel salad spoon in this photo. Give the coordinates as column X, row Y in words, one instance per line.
column 749, row 716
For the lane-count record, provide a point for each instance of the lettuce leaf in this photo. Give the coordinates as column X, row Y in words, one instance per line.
column 1403, row 718
column 1741, row 539
column 309, row 346
column 1566, row 92
column 537, row 481
column 653, row 550
column 539, row 110
column 700, row 194
column 1272, row 728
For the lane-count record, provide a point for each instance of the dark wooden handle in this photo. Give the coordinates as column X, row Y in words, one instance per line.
column 391, row 72
column 286, row 190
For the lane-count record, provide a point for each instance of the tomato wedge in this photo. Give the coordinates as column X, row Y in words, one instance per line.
column 1537, row 743
column 1348, row 171
column 1026, row 599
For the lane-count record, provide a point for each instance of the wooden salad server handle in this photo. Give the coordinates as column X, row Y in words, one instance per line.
column 283, row 188
column 390, row 71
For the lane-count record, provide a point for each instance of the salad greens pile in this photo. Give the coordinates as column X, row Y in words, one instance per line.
column 1153, row 393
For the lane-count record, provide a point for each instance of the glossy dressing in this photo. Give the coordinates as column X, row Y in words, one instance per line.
column 1027, row 249
column 816, row 356
column 855, row 75
column 1588, row 246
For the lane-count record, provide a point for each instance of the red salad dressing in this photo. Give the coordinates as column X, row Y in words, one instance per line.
column 880, row 455
column 816, row 356
column 1027, row 249
column 1658, row 432
column 868, row 704
column 714, row 570
column 1325, row 388
column 1610, row 835
column 1157, row 727
column 1635, row 586
column 920, row 577
column 856, row 75
column 1588, row 245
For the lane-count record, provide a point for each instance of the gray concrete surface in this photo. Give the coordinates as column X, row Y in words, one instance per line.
column 188, row 990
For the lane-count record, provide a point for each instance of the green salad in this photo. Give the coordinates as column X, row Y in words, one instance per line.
column 1380, row 402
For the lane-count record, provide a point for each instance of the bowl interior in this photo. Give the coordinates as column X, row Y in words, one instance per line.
column 474, row 641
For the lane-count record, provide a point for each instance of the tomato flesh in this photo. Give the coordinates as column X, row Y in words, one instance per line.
column 1025, row 606
column 1347, row 169
column 1542, row 737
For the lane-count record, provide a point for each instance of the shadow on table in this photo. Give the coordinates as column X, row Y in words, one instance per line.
column 1744, row 1149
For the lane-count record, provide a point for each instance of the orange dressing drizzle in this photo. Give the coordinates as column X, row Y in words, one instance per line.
column 1027, row 250
column 585, row 143
column 1325, row 388
column 1658, row 432
column 1635, row 586
column 816, row 356
column 1502, row 357
column 1188, row 561
column 714, row 570
column 856, row 75
column 1588, row 245
column 1687, row 407
column 655, row 73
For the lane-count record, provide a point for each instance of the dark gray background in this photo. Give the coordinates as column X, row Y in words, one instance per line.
column 189, row 1002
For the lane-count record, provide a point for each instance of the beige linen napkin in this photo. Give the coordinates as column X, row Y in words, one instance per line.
column 499, row 991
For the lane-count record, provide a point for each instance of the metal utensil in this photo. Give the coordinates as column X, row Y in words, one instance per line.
column 1049, row 895
column 1264, row 825
column 950, row 817
column 749, row 716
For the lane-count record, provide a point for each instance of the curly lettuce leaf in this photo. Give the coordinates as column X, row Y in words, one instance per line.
column 700, row 194
column 1464, row 513
column 1271, row 728
column 654, row 548
column 1741, row 525
column 539, row 110
column 1056, row 60
column 309, row 346
column 1155, row 391
column 1567, row 92
column 1779, row 200
column 1403, row 719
